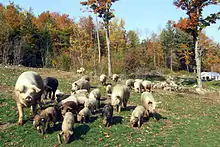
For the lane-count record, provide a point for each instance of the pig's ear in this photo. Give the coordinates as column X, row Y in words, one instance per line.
column 69, row 109
column 20, row 89
column 71, row 132
column 36, row 88
column 61, row 107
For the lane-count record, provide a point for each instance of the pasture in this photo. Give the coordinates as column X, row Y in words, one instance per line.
column 186, row 119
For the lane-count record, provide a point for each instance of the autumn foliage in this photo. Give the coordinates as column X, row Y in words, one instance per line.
column 55, row 40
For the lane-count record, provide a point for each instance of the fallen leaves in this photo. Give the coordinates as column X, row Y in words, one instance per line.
column 106, row 135
column 100, row 139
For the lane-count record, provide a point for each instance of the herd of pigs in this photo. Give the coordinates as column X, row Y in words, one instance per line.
column 33, row 91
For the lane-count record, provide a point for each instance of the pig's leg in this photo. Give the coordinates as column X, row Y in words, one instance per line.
column 20, row 112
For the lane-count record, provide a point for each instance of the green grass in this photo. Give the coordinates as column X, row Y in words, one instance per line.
column 187, row 120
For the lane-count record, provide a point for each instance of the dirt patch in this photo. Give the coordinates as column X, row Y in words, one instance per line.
column 58, row 74
column 52, row 72
column 213, row 98
column 2, row 104
column 4, row 126
column 6, row 88
column 168, row 125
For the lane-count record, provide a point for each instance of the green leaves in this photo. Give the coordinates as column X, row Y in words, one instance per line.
column 101, row 7
column 209, row 20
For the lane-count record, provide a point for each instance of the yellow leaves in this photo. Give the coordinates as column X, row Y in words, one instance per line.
column 183, row 46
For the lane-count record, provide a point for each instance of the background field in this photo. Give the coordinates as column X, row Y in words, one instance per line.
column 186, row 119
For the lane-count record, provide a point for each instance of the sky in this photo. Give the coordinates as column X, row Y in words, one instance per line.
column 143, row 16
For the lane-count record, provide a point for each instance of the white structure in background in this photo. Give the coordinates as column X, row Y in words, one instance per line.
column 210, row 76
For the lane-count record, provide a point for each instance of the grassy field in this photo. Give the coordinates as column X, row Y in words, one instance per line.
column 186, row 119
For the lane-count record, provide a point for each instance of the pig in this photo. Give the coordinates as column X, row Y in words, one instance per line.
column 130, row 83
column 71, row 98
column 107, row 113
column 47, row 117
column 115, row 77
column 80, row 84
column 80, row 92
column 67, row 128
column 69, row 106
column 138, row 80
column 148, row 102
column 138, row 86
column 109, row 89
column 103, row 79
column 27, row 93
column 58, row 95
column 85, row 77
column 50, row 86
column 137, row 116
column 81, row 70
column 91, row 103
column 95, row 94
column 120, row 94
column 147, row 85
column 84, row 115
column 81, row 96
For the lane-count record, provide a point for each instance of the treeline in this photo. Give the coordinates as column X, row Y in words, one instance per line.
column 55, row 40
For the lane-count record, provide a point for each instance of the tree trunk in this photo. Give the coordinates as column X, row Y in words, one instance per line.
column 109, row 51
column 165, row 61
column 97, row 32
column 187, row 67
column 171, row 59
column 47, row 53
column 198, row 63
column 154, row 58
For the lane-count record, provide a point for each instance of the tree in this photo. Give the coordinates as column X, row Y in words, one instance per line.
column 132, row 39
column 45, row 24
column 185, row 55
column 104, row 11
column 80, row 41
column 117, row 36
column 168, row 41
column 10, row 35
column 195, row 23
column 209, row 52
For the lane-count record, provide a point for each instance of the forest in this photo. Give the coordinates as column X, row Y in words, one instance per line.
column 55, row 40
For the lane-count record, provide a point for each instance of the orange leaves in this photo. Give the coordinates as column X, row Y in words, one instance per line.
column 182, row 24
column 59, row 21
column 12, row 17
column 62, row 21
column 195, row 22
column 42, row 20
column 187, row 23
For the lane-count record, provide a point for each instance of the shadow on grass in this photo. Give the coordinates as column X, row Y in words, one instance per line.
column 93, row 118
column 116, row 120
column 155, row 78
column 189, row 81
column 157, row 116
column 94, row 86
column 103, row 98
column 129, row 108
column 79, row 131
column 57, row 127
